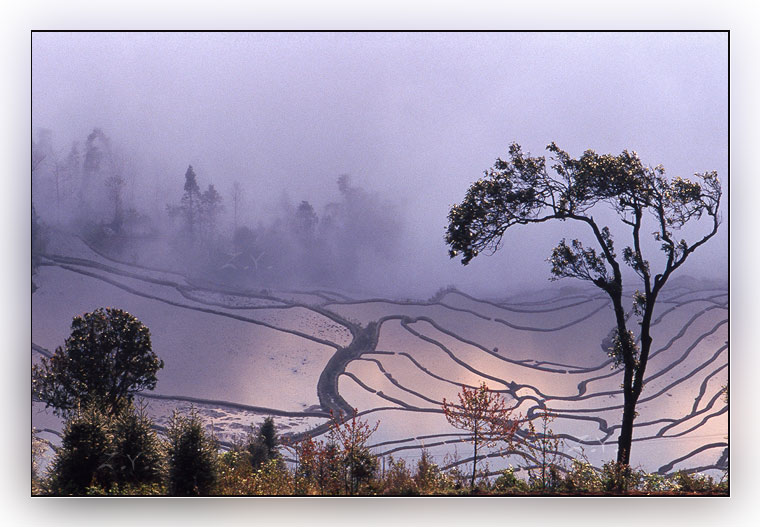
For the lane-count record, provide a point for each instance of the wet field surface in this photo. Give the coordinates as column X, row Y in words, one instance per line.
column 239, row 356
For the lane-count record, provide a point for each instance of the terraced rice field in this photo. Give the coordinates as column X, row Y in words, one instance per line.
column 239, row 356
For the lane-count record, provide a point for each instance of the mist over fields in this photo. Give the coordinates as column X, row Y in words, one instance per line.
column 411, row 119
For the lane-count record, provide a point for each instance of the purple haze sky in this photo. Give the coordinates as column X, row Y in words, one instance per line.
column 416, row 117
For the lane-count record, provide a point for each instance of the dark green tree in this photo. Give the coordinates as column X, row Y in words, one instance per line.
column 522, row 191
column 104, row 362
column 138, row 454
column 192, row 456
column 263, row 445
column 85, row 458
column 100, row 452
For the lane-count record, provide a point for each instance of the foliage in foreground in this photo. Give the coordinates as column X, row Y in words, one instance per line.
column 192, row 456
column 115, row 454
column 111, row 448
column 91, row 462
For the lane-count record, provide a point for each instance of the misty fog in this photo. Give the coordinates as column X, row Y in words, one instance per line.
column 331, row 160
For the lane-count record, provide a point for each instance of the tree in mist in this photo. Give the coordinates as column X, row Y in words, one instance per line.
column 358, row 229
column 39, row 152
column 198, row 211
column 59, row 173
column 72, row 165
column 94, row 164
column 237, row 200
column 522, row 191
column 106, row 360
column 115, row 184
column 190, row 203
column 305, row 221
column 38, row 244
column 484, row 414
column 210, row 208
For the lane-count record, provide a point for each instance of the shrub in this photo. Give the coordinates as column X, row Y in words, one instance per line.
column 509, row 483
column 653, row 482
column 582, row 478
column 398, row 479
column 236, row 475
column 543, row 447
column 272, row 479
column 428, row 478
column 618, row 477
column 697, row 483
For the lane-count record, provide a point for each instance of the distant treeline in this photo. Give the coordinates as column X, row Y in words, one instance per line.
column 94, row 189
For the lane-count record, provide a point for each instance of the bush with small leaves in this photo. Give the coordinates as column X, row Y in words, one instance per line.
column 657, row 483
column 509, row 483
column 619, row 478
column 696, row 483
column 398, row 479
column 582, row 478
column 272, row 479
column 428, row 478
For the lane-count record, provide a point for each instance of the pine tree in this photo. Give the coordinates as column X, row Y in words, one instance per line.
column 263, row 445
column 191, row 203
column 192, row 456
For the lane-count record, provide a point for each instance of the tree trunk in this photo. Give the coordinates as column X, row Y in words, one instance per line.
column 626, row 430
column 474, row 463
column 633, row 385
column 629, row 365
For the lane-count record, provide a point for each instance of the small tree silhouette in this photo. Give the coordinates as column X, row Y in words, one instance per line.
column 483, row 413
column 543, row 445
column 352, row 435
